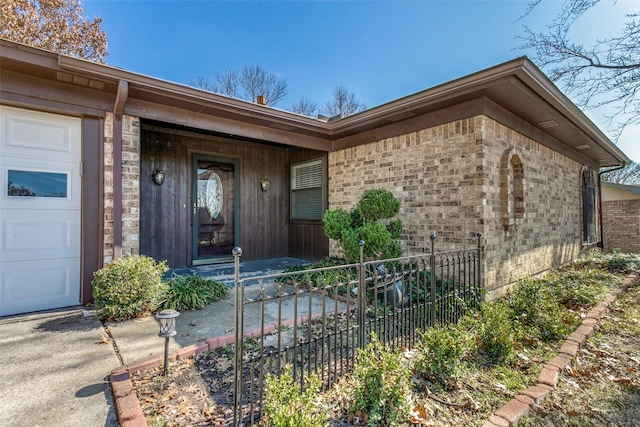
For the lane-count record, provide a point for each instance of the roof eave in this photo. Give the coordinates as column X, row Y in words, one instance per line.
column 173, row 90
column 210, row 104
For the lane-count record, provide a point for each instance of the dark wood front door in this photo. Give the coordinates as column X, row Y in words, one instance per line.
column 215, row 208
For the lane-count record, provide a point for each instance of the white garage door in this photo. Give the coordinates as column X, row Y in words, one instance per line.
column 40, row 158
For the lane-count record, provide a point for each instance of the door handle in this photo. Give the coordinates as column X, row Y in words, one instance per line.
column 195, row 208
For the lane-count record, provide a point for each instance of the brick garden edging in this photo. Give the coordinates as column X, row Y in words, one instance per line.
column 512, row 411
column 130, row 413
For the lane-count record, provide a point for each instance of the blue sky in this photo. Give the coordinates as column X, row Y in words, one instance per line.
column 379, row 50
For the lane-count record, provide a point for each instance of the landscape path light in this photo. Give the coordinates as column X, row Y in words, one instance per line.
column 167, row 320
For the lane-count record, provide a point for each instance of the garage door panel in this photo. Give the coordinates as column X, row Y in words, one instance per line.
column 38, row 185
column 40, row 210
column 39, row 134
column 39, row 235
column 55, row 283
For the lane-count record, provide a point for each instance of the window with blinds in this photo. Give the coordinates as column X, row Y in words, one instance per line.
column 307, row 190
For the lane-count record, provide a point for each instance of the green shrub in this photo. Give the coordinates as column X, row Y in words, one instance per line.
column 381, row 385
column 395, row 229
column 285, row 405
column 363, row 223
column 129, row 287
column 335, row 221
column 496, row 333
column 535, row 305
column 193, row 292
column 378, row 242
column 378, row 204
column 439, row 352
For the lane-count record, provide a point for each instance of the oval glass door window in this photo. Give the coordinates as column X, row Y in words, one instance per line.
column 214, row 196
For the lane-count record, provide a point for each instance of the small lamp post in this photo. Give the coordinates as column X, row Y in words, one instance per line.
column 167, row 320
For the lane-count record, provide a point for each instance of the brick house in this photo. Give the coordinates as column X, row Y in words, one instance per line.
column 621, row 217
column 98, row 162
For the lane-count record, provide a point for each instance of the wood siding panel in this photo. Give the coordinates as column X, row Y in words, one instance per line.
column 306, row 238
column 165, row 211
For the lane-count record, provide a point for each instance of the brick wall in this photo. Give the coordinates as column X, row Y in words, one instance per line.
column 432, row 172
column 621, row 225
column 130, row 186
column 448, row 179
column 107, row 255
column 549, row 232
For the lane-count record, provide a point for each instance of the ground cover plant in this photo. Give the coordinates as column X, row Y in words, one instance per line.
column 502, row 347
column 287, row 405
column 602, row 388
column 340, row 281
column 192, row 292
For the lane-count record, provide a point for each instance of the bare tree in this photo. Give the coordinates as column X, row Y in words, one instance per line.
column 257, row 82
column 305, row 106
column 56, row 25
column 606, row 73
column 201, row 82
column 228, row 84
column 249, row 83
column 344, row 103
column 629, row 175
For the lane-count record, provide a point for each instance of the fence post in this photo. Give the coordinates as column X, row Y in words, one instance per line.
column 480, row 285
column 362, row 297
column 432, row 259
column 237, row 368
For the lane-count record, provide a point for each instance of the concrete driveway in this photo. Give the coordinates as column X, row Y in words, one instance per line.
column 54, row 366
column 54, row 369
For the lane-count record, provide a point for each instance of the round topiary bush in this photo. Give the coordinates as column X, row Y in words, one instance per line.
column 370, row 221
column 377, row 204
column 129, row 287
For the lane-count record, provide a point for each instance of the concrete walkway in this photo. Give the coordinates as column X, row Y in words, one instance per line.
column 55, row 365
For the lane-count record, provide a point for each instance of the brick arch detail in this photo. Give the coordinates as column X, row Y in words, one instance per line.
column 512, row 197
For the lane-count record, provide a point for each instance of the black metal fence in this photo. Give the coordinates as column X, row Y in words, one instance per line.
column 314, row 320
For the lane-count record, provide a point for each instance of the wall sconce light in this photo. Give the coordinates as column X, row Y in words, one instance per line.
column 158, row 176
column 167, row 320
column 264, row 184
